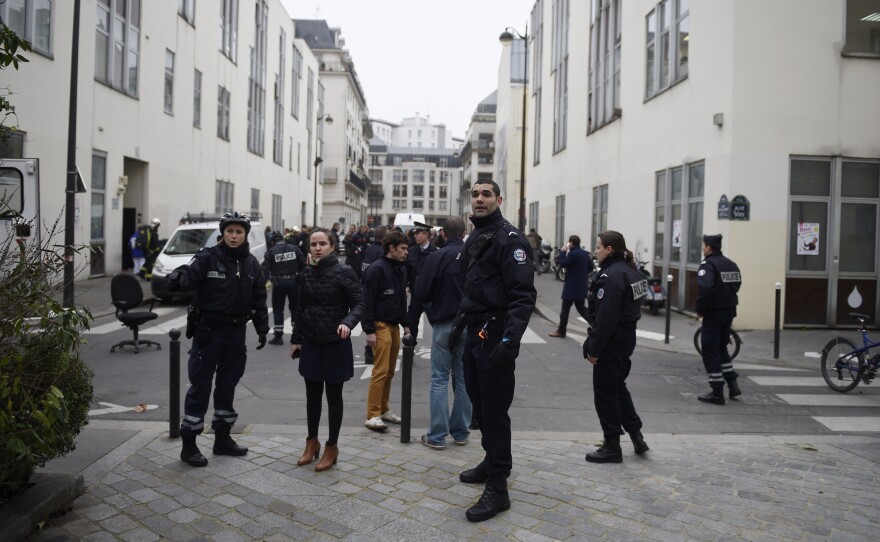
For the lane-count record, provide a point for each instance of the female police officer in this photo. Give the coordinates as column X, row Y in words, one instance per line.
column 615, row 301
column 230, row 289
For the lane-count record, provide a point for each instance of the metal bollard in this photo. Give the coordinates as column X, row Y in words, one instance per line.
column 409, row 347
column 777, row 320
column 668, row 304
column 174, row 384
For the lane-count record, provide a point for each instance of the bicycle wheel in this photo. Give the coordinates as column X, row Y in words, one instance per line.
column 733, row 345
column 841, row 366
column 698, row 341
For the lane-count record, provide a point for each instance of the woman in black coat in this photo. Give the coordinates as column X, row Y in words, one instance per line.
column 330, row 305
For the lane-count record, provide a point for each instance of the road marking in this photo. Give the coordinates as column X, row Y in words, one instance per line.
column 757, row 367
column 110, row 408
column 789, row 381
column 115, row 324
column 358, row 330
column 652, row 335
column 837, row 400
column 860, row 424
column 816, row 355
column 164, row 327
column 530, row 337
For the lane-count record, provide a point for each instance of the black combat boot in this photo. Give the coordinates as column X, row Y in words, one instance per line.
column 277, row 340
column 733, row 389
column 609, row 452
column 224, row 445
column 639, row 442
column 716, row 396
column 190, row 454
column 476, row 475
column 494, row 500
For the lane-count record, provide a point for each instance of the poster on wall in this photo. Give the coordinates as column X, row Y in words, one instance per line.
column 808, row 239
column 676, row 233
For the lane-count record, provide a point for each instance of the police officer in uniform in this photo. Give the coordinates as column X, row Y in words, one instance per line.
column 614, row 307
column 230, row 289
column 499, row 297
column 718, row 280
column 282, row 263
column 418, row 252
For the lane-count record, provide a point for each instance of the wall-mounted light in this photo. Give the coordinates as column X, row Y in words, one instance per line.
column 718, row 119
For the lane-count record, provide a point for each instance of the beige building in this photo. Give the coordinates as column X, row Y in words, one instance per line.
column 478, row 152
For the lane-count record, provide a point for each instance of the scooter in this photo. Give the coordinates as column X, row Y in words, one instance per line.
column 656, row 297
column 544, row 257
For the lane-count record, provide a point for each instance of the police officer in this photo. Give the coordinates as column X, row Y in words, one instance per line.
column 499, row 297
column 230, row 289
column 718, row 280
column 282, row 264
column 614, row 307
column 418, row 252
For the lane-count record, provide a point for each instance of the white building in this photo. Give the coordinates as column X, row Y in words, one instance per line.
column 752, row 119
column 478, row 152
column 419, row 132
column 178, row 110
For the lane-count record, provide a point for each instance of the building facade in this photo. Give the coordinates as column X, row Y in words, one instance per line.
column 478, row 152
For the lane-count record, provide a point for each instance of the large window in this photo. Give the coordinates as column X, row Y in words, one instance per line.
column 223, row 100
column 560, row 73
column 604, row 78
column 399, row 190
column 276, row 212
column 666, row 41
column 117, row 39
column 187, row 10
column 600, row 210
column 533, row 216
column 537, row 38
column 255, row 202
column 560, row 221
column 224, row 197
column 99, row 186
column 310, row 116
column 862, row 28
column 197, row 99
column 418, row 191
column 256, row 139
column 169, row 82
column 296, row 81
column 31, row 20
column 229, row 28
column 418, row 175
column 278, row 129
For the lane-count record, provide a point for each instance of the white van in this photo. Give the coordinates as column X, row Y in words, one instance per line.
column 186, row 240
column 406, row 220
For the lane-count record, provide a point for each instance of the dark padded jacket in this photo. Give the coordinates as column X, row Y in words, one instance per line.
column 615, row 302
column 439, row 287
column 384, row 293
column 719, row 281
column 283, row 259
column 330, row 294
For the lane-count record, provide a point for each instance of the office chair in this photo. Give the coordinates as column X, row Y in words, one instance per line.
column 126, row 293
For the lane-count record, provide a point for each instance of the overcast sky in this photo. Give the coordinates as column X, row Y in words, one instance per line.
column 434, row 57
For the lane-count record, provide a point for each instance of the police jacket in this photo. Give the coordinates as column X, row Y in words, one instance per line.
column 228, row 284
column 415, row 260
column 440, row 285
column 329, row 295
column 283, row 260
column 578, row 264
column 499, row 268
column 384, row 293
column 615, row 301
column 371, row 254
column 718, row 281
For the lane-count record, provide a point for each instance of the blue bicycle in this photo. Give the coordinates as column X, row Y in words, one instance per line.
column 844, row 364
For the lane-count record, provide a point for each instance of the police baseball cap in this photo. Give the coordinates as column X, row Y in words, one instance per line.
column 418, row 226
column 713, row 241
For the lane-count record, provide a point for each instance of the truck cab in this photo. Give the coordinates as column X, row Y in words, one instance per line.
column 19, row 201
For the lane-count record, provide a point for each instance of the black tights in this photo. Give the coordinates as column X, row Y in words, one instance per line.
column 314, row 394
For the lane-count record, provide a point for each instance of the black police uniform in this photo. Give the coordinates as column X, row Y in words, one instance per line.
column 499, row 297
column 283, row 263
column 614, row 307
column 718, row 280
column 230, row 289
column 416, row 257
column 440, row 287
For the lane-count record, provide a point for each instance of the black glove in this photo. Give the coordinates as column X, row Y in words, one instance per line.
column 503, row 354
column 174, row 281
column 587, row 348
column 262, row 341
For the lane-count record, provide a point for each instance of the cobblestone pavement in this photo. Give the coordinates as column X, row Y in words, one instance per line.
column 686, row 488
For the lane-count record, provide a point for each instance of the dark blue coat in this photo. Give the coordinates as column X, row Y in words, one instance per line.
column 578, row 264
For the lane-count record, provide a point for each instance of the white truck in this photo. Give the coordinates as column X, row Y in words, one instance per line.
column 19, row 201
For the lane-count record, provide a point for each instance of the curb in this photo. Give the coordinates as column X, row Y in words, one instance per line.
column 48, row 493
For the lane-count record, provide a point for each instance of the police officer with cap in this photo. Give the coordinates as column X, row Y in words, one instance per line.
column 282, row 264
column 499, row 297
column 418, row 252
column 230, row 289
column 718, row 280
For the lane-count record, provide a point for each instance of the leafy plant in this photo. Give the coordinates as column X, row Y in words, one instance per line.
column 10, row 44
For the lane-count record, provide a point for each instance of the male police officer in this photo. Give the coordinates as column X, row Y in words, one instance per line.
column 282, row 263
column 499, row 297
column 719, row 281
column 230, row 289
column 418, row 252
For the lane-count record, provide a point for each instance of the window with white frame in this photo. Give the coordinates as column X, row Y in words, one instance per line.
column 537, row 38
column 187, row 10
column 418, row 191
column 533, row 215
column 197, row 99
column 600, row 209
column 667, row 38
column 256, row 119
column 30, row 20
column 560, row 220
column 398, row 204
column 604, row 77
column 399, row 175
column 278, row 128
column 296, row 81
column 444, row 206
column 99, row 185
column 431, row 191
column 399, row 190
column 862, row 29
column 560, row 73
column 223, row 100
column 255, row 202
column 224, row 196
column 443, row 191
column 418, row 204
column 229, row 28
column 276, row 212
column 169, row 82
column 117, row 44
column 310, row 117
column 418, row 175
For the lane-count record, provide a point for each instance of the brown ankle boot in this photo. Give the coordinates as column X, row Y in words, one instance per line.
column 313, row 448
column 331, row 452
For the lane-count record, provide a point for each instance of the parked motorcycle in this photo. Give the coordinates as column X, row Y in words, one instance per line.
column 656, row 297
column 558, row 272
column 544, row 257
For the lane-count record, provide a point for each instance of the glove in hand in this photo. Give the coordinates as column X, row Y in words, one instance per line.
column 587, row 348
column 174, row 282
column 503, row 355
column 262, row 341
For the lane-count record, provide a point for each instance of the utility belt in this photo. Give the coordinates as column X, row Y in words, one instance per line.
column 480, row 317
column 283, row 277
column 214, row 319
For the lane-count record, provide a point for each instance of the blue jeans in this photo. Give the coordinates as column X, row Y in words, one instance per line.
column 442, row 363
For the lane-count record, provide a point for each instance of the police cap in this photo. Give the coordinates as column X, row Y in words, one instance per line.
column 418, row 226
column 713, row 241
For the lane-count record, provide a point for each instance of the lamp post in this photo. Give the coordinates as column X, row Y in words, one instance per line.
column 326, row 118
column 506, row 37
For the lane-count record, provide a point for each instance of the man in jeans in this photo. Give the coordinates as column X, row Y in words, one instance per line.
column 438, row 291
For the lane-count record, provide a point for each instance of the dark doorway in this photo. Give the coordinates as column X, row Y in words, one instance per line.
column 129, row 225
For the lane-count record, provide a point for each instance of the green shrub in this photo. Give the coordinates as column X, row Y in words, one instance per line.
column 45, row 385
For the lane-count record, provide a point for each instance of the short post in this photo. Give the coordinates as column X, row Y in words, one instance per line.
column 668, row 304
column 777, row 320
column 174, row 384
column 409, row 347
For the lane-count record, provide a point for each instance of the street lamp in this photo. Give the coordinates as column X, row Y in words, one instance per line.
column 506, row 37
column 326, row 118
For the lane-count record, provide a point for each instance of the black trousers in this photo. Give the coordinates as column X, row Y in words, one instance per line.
column 612, row 399
column 283, row 291
column 716, row 358
column 491, row 393
column 314, row 394
column 566, row 308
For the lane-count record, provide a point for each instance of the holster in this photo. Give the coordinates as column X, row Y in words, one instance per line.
column 193, row 319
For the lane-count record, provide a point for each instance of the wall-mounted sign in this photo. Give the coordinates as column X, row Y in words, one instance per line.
column 808, row 239
column 723, row 208
column 739, row 208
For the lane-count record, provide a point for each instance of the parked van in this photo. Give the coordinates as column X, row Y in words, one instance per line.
column 406, row 220
column 188, row 239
